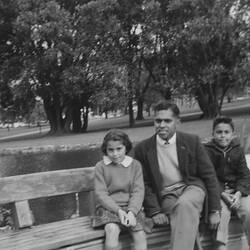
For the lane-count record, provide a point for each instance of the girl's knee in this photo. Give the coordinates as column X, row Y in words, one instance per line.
column 112, row 236
column 139, row 236
column 140, row 240
column 112, row 229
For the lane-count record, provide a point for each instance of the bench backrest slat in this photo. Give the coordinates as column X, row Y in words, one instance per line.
column 45, row 184
column 51, row 183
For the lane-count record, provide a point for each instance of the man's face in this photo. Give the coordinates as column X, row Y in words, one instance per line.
column 165, row 123
column 223, row 134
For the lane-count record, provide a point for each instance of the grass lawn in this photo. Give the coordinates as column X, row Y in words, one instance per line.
column 199, row 127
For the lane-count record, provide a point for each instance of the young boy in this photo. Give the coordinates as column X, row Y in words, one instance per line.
column 234, row 177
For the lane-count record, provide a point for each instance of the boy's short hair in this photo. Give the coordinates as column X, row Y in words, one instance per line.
column 165, row 105
column 223, row 119
column 116, row 135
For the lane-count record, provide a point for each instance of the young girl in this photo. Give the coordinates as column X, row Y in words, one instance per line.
column 119, row 192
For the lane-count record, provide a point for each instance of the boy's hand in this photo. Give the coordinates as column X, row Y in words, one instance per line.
column 131, row 219
column 123, row 217
column 236, row 200
column 227, row 198
column 214, row 220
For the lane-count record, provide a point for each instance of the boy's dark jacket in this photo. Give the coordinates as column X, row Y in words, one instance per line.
column 230, row 166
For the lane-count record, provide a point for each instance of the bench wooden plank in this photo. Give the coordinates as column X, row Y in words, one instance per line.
column 76, row 234
column 54, row 240
column 39, row 229
column 23, row 214
column 45, row 184
column 55, row 236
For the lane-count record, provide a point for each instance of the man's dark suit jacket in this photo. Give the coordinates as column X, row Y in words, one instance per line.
column 195, row 166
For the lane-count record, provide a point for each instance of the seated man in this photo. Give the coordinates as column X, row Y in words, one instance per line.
column 178, row 175
column 234, row 177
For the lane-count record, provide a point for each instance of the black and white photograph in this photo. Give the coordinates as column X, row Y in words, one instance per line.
column 124, row 125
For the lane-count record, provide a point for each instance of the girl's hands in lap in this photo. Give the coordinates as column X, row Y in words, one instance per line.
column 127, row 219
column 131, row 220
column 123, row 217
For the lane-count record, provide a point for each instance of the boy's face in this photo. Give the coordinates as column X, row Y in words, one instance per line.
column 223, row 134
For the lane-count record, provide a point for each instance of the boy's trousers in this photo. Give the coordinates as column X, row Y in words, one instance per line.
column 243, row 212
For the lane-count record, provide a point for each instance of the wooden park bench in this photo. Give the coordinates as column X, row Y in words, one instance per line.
column 74, row 233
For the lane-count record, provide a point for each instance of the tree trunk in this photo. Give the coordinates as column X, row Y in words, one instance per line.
column 49, row 110
column 130, row 98
column 58, row 114
column 168, row 94
column 68, row 119
column 202, row 100
column 131, row 113
column 85, row 119
column 207, row 103
column 125, row 110
column 76, row 114
column 54, row 115
column 148, row 109
column 140, row 103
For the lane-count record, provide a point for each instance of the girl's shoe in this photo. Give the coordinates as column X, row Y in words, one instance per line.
column 220, row 246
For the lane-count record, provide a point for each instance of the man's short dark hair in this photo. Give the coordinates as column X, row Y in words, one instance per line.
column 165, row 105
column 223, row 119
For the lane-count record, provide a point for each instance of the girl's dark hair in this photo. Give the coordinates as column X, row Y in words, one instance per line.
column 165, row 105
column 116, row 135
column 223, row 119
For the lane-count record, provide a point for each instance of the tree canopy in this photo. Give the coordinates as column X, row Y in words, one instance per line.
column 82, row 54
